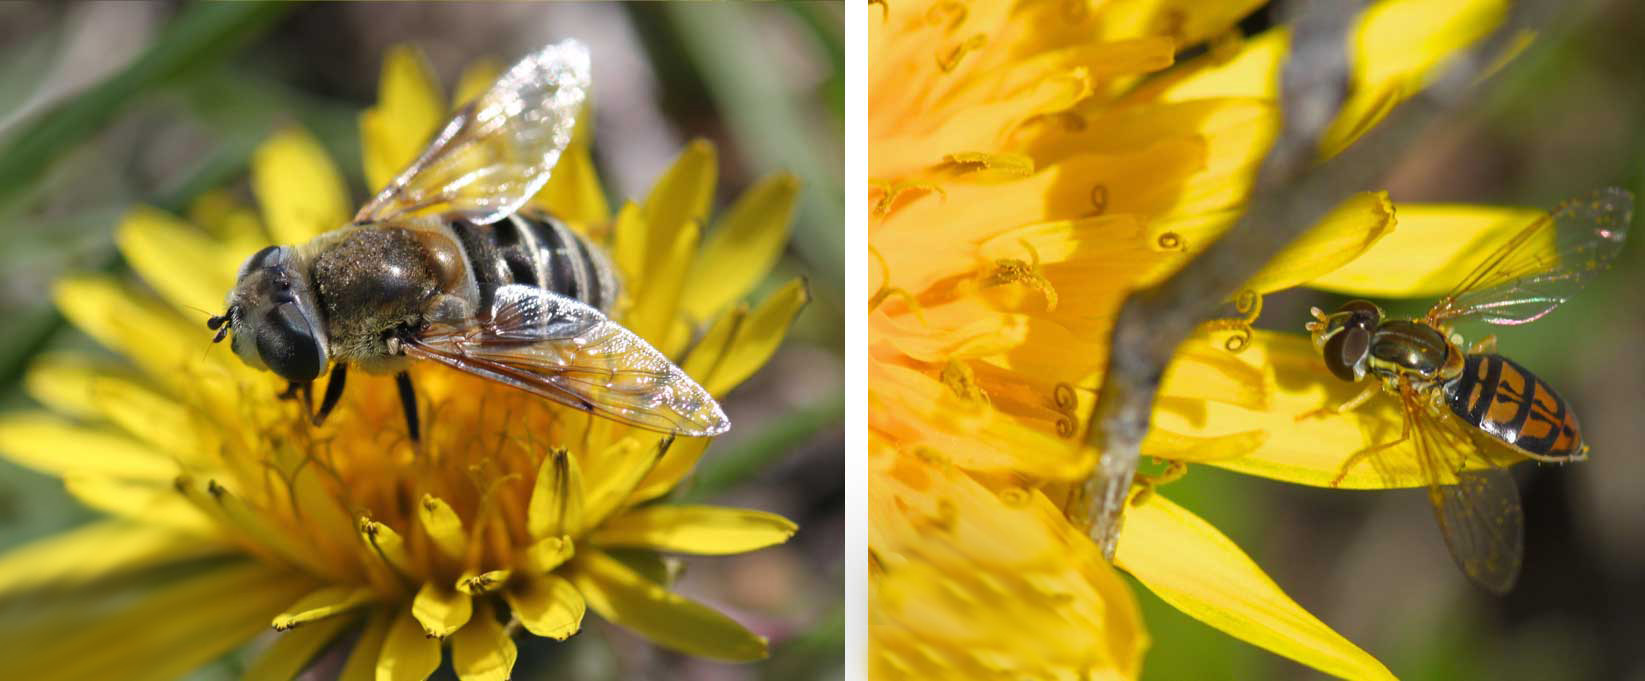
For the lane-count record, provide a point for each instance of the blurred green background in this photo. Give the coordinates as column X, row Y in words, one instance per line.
column 103, row 105
column 1566, row 117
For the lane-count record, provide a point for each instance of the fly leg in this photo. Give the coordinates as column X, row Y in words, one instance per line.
column 408, row 404
column 334, row 392
column 300, row 391
column 1356, row 457
column 1146, row 484
column 1345, row 407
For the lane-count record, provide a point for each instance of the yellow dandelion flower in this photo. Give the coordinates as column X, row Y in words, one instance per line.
column 511, row 513
column 1031, row 164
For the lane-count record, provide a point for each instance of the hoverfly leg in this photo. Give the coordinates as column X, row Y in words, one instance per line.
column 1147, row 484
column 408, row 403
column 1352, row 404
column 1356, row 457
column 334, row 392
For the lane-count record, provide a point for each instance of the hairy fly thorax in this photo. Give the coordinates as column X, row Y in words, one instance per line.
column 375, row 282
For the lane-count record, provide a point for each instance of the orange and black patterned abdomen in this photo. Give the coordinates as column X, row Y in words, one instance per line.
column 1511, row 404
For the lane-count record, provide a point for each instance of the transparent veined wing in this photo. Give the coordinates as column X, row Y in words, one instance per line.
column 1525, row 279
column 498, row 151
column 1477, row 509
column 561, row 349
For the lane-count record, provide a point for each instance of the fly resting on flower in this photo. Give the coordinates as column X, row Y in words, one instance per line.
column 443, row 265
column 1467, row 411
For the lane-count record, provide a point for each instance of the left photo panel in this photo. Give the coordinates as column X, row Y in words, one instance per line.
column 401, row 341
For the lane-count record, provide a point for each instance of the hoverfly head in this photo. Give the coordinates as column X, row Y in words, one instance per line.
column 273, row 310
column 1343, row 337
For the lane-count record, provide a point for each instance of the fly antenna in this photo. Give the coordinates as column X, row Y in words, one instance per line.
column 221, row 323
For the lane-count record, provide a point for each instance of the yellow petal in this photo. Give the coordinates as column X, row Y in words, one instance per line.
column 175, row 258
column 547, row 605
column 1185, row 21
column 618, row 470
column 678, row 462
column 226, row 219
column 62, row 381
column 665, row 282
column 103, row 548
column 407, row 654
column 291, row 651
column 1193, row 567
column 441, row 609
column 626, row 599
column 50, row 445
column 483, row 583
column 105, row 310
column 163, row 632
column 321, row 604
column 704, row 530
column 482, row 651
column 1430, row 251
column 226, row 507
column 1398, row 46
column 556, row 506
column 742, row 247
column 442, row 525
column 681, row 195
column 711, row 348
column 157, row 419
column 409, row 109
column 1340, row 237
column 1162, row 443
column 362, row 659
column 631, row 236
column 548, row 553
column 1252, row 72
column 149, row 502
column 757, row 337
column 476, row 79
column 298, row 187
column 387, row 543
column 573, row 191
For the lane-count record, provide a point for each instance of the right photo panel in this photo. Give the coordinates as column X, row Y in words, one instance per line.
column 1242, row 339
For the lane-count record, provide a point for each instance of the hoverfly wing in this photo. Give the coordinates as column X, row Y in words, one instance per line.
column 1483, row 526
column 1522, row 281
column 561, row 349
column 498, row 151
column 1477, row 509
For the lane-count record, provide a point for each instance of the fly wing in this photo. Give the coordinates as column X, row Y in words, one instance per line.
column 497, row 152
column 555, row 347
column 1477, row 509
column 1525, row 279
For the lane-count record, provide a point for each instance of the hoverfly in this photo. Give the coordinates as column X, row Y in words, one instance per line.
column 1462, row 405
column 444, row 265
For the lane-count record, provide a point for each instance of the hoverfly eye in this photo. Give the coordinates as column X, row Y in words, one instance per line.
column 1362, row 312
column 1344, row 350
column 287, row 344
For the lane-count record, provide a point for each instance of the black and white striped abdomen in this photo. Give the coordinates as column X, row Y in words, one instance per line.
column 537, row 250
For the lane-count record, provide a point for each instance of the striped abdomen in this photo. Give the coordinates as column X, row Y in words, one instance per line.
column 1511, row 404
column 537, row 250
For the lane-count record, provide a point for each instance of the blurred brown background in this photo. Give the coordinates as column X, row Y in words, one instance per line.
column 103, row 105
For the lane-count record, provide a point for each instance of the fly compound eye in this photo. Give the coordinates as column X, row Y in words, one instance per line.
column 287, row 344
column 1345, row 350
column 1362, row 313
